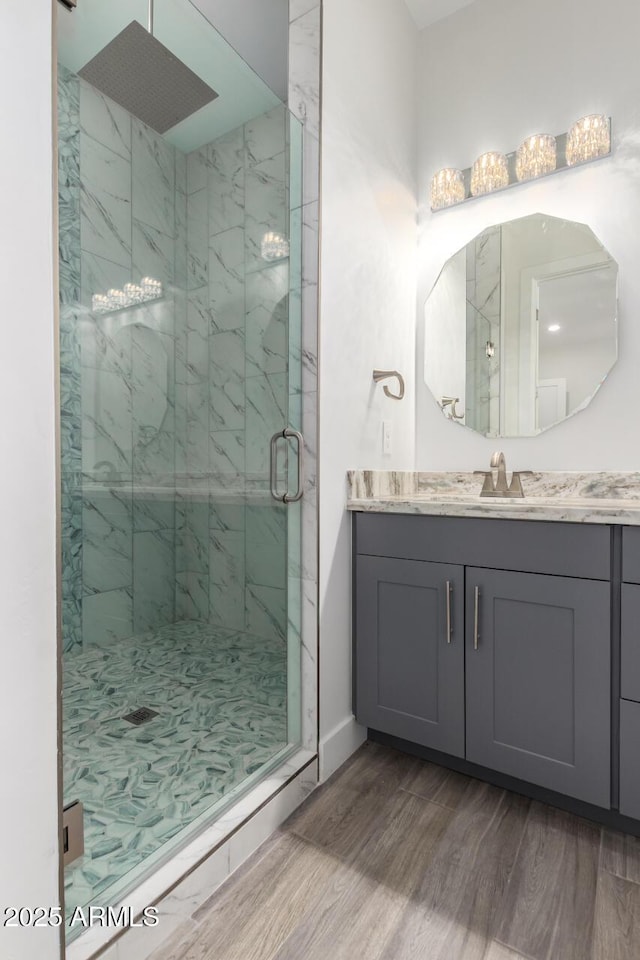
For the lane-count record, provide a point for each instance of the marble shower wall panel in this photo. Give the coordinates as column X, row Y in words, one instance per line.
column 304, row 67
column 267, row 321
column 227, row 579
column 70, row 347
column 231, row 364
column 131, row 221
column 225, row 182
column 227, row 396
column 226, row 279
column 305, row 42
column 266, row 368
column 154, row 577
column 106, row 366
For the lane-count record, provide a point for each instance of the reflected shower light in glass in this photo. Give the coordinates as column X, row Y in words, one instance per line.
column 536, row 156
column 553, row 328
column 132, row 294
column 490, row 172
column 447, row 187
column 274, row 246
column 588, row 138
column 151, row 288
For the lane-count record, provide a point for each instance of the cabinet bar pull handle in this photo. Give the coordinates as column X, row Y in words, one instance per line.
column 476, row 612
column 449, row 591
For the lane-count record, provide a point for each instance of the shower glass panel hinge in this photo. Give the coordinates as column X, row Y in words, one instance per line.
column 69, row 4
column 72, row 832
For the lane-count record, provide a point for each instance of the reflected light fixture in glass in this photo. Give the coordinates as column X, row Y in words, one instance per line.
column 274, row 246
column 447, row 187
column 132, row 294
column 588, row 139
column 536, row 156
column 490, row 172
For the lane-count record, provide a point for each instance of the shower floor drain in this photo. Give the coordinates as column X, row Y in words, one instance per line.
column 141, row 715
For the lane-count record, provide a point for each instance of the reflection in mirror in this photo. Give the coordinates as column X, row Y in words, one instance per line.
column 521, row 326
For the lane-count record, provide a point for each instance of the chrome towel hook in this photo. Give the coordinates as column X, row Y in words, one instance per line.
column 379, row 375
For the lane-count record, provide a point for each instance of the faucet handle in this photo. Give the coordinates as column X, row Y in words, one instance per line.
column 487, row 486
column 515, row 487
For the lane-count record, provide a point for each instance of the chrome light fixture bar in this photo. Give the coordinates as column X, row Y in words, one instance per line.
column 537, row 156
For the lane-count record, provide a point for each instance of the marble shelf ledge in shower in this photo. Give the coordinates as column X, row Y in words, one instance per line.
column 610, row 498
column 165, row 492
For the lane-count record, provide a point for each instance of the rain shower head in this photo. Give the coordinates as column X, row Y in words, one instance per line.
column 144, row 77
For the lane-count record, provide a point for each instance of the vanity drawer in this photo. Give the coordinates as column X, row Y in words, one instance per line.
column 563, row 549
column 631, row 554
column 630, row 654
column 630, row 759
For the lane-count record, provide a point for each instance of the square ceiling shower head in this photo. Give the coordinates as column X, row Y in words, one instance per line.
column 139, row 73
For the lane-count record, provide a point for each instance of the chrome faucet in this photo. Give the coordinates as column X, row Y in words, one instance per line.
column 499, row 486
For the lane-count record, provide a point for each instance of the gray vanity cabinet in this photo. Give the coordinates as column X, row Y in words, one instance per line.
column 527, row 694
column 409, row 650
column 630, row 675
column 538, row 680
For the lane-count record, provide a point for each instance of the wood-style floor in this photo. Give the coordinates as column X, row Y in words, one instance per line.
column 397, row 859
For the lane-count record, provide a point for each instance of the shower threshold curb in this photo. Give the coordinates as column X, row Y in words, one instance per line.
column 97, row 941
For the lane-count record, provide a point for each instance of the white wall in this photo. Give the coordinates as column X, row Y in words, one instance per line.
column 28, row 748
column 489, row 75
column 367, row 300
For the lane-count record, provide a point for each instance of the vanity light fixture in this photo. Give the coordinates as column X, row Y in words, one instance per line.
column 274, row 246
column 538, row 155
column 133, row 294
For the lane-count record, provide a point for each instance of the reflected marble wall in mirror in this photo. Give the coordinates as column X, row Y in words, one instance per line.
column 521, row 326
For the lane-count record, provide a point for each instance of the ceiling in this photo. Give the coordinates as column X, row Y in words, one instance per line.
column 425, row 12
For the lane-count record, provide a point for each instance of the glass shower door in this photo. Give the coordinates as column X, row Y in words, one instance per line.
column 180, row 358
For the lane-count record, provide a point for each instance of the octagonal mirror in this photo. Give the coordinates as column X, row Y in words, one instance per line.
column 521, row 326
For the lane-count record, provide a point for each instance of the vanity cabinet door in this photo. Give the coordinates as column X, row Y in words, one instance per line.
column 409, row 651
column 538, row 680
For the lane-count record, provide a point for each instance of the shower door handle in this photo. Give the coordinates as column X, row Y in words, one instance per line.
column 287, row 434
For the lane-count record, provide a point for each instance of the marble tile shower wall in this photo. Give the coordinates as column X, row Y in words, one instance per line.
column 122, row 206
column 305, row 47
column 70, row 378
column 196, row 223
column 233, row 380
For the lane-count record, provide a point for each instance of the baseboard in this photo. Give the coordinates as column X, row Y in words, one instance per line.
column 338, row 745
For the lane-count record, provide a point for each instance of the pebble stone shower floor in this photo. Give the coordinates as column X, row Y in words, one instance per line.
column 221, row 700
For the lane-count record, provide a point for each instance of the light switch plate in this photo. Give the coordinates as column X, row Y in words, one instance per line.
column 386, row 438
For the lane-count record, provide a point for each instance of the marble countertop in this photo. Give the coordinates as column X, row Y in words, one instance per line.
column 610, row 498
